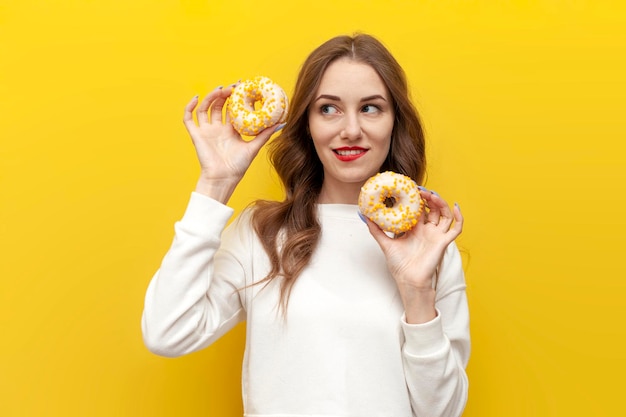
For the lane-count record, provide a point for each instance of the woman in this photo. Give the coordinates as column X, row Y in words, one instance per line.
column 342, row 320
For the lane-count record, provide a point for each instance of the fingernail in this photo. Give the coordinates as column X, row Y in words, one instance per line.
column 218, row 87
column 422, row 188
column 279, row 127
column 457, row 206
column 195, row 97
column 435, row 193
column 362, row 217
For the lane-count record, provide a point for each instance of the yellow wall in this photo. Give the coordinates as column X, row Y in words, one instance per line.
column 524, row 107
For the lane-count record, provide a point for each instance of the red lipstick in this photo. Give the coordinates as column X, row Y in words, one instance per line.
column 349, row 153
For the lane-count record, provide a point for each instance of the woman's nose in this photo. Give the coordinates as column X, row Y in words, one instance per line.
column 351, row 128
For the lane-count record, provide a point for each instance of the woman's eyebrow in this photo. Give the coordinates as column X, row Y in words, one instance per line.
column 336, row 98
column 374, row 97
column 328, row 97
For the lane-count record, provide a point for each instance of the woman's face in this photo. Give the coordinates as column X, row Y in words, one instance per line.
column 350, row 120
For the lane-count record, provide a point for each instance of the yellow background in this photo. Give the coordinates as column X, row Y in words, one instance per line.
column 523, row 103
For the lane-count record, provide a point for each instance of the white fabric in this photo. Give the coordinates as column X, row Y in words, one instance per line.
column 344, row 348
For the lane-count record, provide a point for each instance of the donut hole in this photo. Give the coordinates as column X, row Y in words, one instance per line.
column 389, row 201
column 258, row 104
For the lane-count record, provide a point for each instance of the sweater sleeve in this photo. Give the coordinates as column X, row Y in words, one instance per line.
column 435, row 354
column 193, row 299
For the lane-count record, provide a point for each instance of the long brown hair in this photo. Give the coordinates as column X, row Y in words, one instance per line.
column 289, row 229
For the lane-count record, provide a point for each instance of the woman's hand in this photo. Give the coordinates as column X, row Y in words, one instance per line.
column 223, row 154
column 413, row 258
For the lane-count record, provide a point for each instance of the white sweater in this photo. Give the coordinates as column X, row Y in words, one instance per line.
column 344, row 348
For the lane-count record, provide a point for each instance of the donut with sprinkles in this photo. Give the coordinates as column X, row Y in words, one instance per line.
column 392, row 201
column 256, row 104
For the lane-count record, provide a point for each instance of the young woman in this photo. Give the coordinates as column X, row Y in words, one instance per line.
column 342, row 320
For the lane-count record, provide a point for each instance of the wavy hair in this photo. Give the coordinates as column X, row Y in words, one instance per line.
column 289, row 230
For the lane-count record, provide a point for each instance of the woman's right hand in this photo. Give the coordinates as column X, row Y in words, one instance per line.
column 223, row 154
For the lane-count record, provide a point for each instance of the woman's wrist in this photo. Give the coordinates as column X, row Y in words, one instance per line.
column 419, row 304
column 218, row 189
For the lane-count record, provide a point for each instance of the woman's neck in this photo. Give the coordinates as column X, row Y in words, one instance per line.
column 339, row 194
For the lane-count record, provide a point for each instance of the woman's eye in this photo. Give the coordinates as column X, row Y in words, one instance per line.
column 328, row 109
column 369, row 108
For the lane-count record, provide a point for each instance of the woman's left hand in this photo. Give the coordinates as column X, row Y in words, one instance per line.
column 413, row 257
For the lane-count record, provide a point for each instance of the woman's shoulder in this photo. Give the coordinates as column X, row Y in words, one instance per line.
column 243, row 227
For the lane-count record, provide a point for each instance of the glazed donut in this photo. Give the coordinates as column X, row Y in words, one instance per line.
column 392, row 201
column 256, row 104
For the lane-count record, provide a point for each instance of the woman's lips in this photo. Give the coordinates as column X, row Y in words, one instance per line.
column 347, row 154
